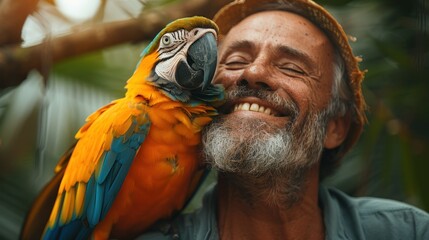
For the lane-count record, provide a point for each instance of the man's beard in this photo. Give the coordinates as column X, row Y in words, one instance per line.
column 257, row 155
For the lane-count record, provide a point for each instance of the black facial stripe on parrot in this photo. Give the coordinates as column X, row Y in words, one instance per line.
column 180, row 34
column 167, row 50
column 177, row 36
column 161, row 59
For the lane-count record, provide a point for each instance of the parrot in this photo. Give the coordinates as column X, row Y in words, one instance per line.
column 136, row 160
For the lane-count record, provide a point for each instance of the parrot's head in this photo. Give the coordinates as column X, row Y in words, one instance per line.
column 183, row 56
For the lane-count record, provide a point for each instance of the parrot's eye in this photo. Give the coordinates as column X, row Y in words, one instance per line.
column 166, row 40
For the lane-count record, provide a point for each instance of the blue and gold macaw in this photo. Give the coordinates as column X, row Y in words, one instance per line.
column 136, row 159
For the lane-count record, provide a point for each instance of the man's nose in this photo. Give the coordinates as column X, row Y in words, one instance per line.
column 257, row 76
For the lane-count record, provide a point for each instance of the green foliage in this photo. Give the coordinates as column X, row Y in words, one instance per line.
column 393, row 149
column 105, row 69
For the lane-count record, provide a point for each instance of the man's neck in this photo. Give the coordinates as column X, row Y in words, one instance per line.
column 243, row 214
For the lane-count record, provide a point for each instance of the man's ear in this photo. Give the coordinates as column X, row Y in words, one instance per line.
column 336, row 131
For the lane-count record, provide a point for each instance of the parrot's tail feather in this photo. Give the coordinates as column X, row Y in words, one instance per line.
column 94, row 202
column 74, row 230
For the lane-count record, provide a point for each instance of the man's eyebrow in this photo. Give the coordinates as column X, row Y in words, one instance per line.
column 295, row 53
column 240, row 44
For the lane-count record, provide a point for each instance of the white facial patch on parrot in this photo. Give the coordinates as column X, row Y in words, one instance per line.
column 167, row 69
column 173, row 48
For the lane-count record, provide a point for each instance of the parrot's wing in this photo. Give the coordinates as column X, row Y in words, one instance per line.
column 107, row 145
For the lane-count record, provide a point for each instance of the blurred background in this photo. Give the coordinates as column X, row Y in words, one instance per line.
column 76, row 55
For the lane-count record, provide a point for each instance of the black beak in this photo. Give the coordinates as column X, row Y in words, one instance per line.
column 201, row 60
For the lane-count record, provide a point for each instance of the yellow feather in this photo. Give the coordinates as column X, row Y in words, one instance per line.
column 67, row 207
column 80, row 198
column 120, row 127
column 108, row 138
column 118, row 118
column 72, row 200
column 91, row 119
column 64, row 181
column 142, row 72
column 54, row 213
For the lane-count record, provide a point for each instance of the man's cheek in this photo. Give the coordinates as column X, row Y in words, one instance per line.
column 226, row 77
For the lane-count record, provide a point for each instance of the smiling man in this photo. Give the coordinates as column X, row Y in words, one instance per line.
column 294, row 108
column 267, row 146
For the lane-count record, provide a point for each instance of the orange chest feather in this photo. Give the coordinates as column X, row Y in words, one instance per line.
column 169, row 150
column 164, row 173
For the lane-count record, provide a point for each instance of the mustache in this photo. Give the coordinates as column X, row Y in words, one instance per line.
column 273, row 98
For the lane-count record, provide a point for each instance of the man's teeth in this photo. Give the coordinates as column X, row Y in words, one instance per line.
column 253, row 107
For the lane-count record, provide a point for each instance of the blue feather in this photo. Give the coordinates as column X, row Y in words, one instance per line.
column 70, row 230
column 116, row 165
column 51, row 233
column 115, row 171
column 136, row 140
column 84, row 233
column 130, row 130
column 88, row 210
column 96, row 204
column 118, row 145
column 108, row 162
column 101, row 189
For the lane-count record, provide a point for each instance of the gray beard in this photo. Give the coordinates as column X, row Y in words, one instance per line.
column 265, row 162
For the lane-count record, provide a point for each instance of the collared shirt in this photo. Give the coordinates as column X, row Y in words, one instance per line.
column 345, row 217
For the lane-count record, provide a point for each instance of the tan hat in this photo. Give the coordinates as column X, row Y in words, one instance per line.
column 232, row 13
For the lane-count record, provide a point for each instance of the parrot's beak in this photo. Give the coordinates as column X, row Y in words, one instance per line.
column 201, row 60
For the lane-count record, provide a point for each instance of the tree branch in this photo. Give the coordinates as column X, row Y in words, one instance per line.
column 16, row 62
column 12, row 17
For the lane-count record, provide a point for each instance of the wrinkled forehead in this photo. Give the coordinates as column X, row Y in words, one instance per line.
column 277, row 28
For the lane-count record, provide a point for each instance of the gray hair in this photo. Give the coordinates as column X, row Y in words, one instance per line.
column 342, row 96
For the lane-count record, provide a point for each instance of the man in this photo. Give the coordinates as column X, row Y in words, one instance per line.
column 294, row 109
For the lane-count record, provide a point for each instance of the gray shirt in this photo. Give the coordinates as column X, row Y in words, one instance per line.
column 345, row 217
